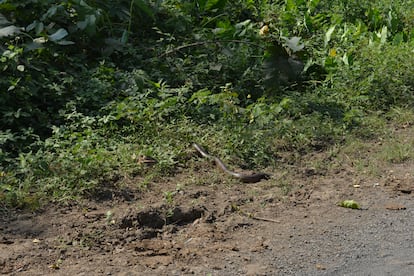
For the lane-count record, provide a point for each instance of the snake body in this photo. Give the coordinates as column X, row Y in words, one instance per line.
column 246, row 178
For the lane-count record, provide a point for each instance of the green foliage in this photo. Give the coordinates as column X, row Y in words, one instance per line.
column 385, row 78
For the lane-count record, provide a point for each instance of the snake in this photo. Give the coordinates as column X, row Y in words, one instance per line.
column 243, row 177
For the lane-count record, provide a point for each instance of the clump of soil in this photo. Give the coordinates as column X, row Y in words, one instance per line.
column 157, row 218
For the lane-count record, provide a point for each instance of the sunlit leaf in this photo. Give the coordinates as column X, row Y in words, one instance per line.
column 291, row 5
column 9, row 30
column 37, row 26
column 243, row 24
column 384, row 34
column 40, row 40
column 294, row 44
column 50, row 12
column 82, row 24
column 31, row 26
column 124, row 38
column 345, row 59
column 328, row 34
column 214, row 4
column 58, row 35
column 143, row 7
column 65, row 42
column 216, row 67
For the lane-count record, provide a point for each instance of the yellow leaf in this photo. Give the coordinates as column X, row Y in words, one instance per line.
column 264, row 30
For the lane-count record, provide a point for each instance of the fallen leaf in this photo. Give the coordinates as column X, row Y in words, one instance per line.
column 349, row 204
column 320, row 267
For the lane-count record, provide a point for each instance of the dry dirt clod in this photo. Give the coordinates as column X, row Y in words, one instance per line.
column 395, row 206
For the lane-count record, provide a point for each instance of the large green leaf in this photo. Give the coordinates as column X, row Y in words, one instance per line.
column 144, row 8
column 294, row 44
column 9, row 31
column 214, row 4
column 328, row 34
column 58, row 35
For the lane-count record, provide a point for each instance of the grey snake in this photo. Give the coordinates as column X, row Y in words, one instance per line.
column 243, row 177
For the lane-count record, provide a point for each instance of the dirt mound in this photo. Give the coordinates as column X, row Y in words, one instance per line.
column 157, row 218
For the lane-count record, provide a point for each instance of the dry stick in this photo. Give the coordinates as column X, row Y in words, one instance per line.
column 249, row 215
column 207, row 42
column 265, row 219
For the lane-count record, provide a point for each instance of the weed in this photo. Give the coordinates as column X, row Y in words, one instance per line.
column 109, row 217
column 403, row 153
column 169, row 197
column 395, row 151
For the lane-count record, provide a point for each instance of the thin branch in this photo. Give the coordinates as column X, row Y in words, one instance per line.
column 209, row 42
column 265, row 219
column 250, row 215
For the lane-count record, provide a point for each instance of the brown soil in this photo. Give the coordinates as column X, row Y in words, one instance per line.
column 204, row 223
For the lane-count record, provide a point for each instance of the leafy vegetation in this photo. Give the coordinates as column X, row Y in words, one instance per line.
column 89, row 86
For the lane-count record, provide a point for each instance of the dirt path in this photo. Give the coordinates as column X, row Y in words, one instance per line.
column 216, row 227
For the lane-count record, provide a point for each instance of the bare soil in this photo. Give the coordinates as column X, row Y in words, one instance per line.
column 204, row 223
